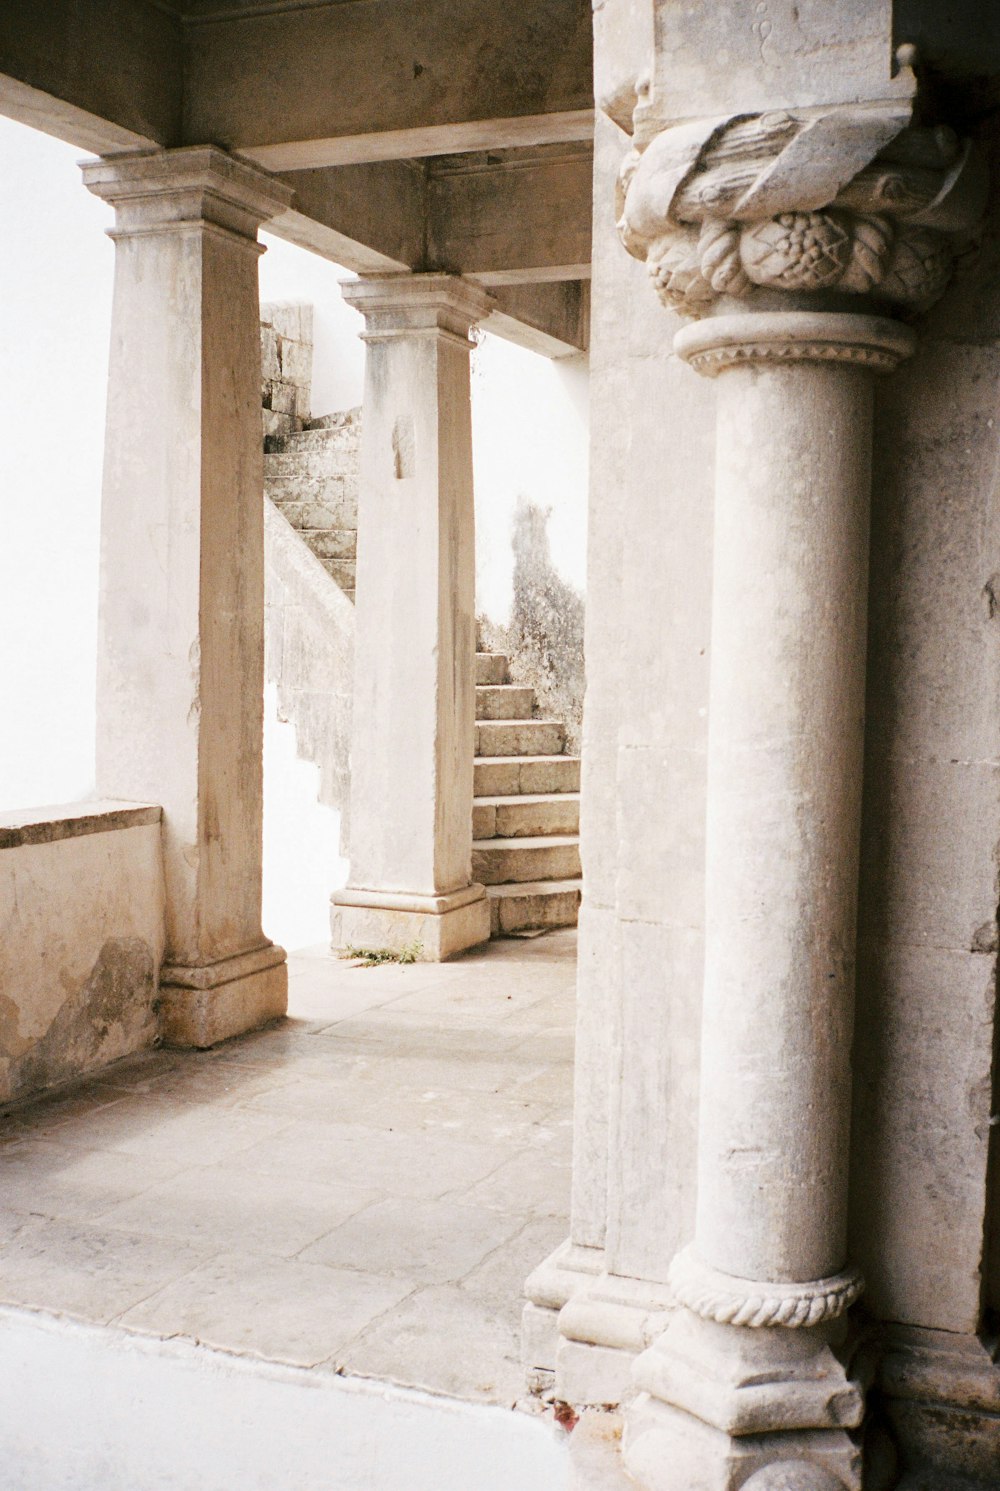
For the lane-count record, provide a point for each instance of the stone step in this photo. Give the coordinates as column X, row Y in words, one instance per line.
column 321, row 440
column 520, row 738
column 310, row 461
column 338, row 491
column 332, row 543
column 304, row 515
column 526, row 816
column 341, row 570
column 554, row 857
column 504, row 701
column 343, row 419
column 533, row 905
column 491, row 667
column 504, row 776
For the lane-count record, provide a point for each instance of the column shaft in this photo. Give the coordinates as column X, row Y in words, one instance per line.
column 414, row 695
column 180, row 675
column 784, row 811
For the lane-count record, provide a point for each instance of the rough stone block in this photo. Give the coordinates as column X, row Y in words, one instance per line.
column 520, row 738
column 504, row 702
column 553, row 858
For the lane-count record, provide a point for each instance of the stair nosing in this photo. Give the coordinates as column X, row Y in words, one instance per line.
column 529, row 841
column 535, row 799
column 535, row 887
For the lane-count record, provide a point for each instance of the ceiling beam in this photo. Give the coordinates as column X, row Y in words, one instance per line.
column 347, row 83
column 515, row 218
column 106, row 75
column 518, row 219
column 369, row 218
column 553, row 320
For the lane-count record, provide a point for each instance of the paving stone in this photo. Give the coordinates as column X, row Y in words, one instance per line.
column 527, row 1181
column 280, row 1195
column 416, row 1347
column 278, row 1308
column 55, row 1180
column 422, row 1165
column 428, row 1241
column 223, row 1207
column 161, row 1127
column 89, row 1270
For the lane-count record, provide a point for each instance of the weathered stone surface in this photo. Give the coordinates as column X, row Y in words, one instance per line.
column 79, row 989
column 504, row 702
column 543, row 640
column 520, row 738
column 553, row 857
column 181, row 650
column 501, row 775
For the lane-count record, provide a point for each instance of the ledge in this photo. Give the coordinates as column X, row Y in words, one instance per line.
column 72, row 821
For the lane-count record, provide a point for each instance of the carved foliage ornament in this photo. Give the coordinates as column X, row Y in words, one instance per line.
column 852, row 199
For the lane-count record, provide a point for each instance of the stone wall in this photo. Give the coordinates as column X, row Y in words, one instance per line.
column 286, row 353
column 81, row 940
column 544, row 637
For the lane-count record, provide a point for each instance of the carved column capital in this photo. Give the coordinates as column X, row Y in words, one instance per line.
column 850, row 199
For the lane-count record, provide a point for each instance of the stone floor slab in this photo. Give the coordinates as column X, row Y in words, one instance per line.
column 358, row 1187
column 220, row 1206
column 429, row 1241
column 281, row 1309
column 88, row 1270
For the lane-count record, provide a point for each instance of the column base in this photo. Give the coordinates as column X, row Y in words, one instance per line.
column 202, row 1006
column 434, row 928
column 546, row 1290
column 665, row 1449
column 723, row 1403
column 602, row 1330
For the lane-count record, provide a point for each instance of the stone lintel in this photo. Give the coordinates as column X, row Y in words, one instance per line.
column 167, row 189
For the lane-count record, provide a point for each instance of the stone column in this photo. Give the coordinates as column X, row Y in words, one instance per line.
column 414, row 695
column 750, row 1354
column 180, row 672
column 774, row 231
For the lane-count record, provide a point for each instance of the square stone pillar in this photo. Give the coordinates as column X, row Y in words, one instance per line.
column 180, row 671
column 414, row 691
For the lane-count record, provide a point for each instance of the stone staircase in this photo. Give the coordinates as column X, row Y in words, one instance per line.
column 311, row 476
column 526, row 813
column 526, row 808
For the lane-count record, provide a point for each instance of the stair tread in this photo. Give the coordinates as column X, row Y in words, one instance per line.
column 530, row 760
column 527, row 799
column 534, row 887
column 541, row 841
